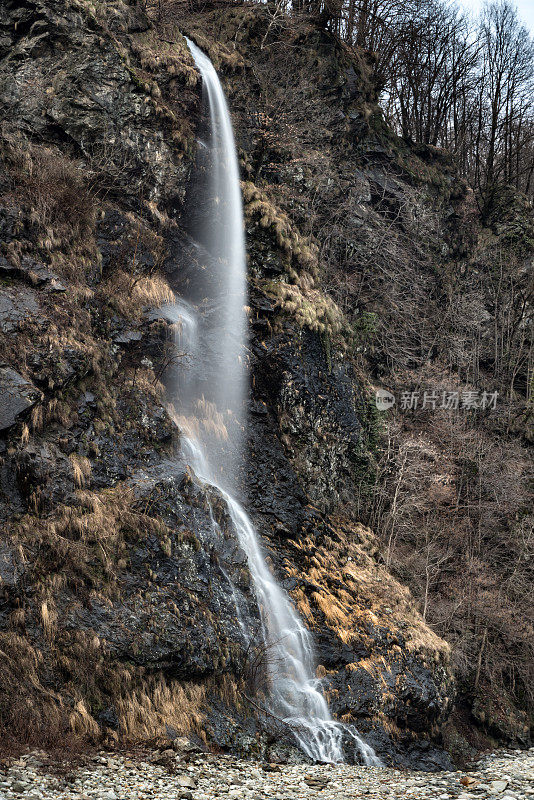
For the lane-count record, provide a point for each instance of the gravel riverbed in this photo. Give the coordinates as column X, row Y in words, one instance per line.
column 171, row 776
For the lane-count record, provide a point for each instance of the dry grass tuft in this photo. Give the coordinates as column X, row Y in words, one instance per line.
column 36, row 418
column 82, row 723
column 130, row 296
column 310, row 307
column 147, row 712
column 47, row 620
column 153, row 291
column 81, row 470
column 301, row 251
column 357, row 595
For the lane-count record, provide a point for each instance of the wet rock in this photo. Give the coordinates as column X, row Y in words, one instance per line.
column 16, row 305
column 128, row 336
column 17, row 395
column 314, row 399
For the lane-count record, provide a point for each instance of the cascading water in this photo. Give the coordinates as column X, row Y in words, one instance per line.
column 211, row 396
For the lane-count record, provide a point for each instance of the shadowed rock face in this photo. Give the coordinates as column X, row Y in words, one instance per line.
column 372, row 670
column 94, row 107
column 102, row 526
column 181, row 620
column 14, row 307
column 17, row 395
column 317, row 405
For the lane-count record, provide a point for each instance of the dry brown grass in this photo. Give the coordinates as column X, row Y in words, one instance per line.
column 357, row 595
column 85, row 544
column 28, row 711
column 147, row 712
column 296, row 293
column 336, row 614
column 129, row 296
column 51, row 188
column 73, row 261
column 81, row 470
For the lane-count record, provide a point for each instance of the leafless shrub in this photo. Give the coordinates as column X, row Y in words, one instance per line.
column 51, row 187
column 455, row 524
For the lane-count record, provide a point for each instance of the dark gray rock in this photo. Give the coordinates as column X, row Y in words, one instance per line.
column 37, row 271
column 6, row 268
column 16, row 304
column 93, row 103
column 57, row 367
column 17, row 395
column 43, row 470
column 128, row 336
column 177, row 608
column 315, row 402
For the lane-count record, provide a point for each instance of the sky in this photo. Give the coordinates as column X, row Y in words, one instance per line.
column 524, row 7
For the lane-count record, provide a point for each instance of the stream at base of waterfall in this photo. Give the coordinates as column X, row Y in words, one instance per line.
column 209, row 399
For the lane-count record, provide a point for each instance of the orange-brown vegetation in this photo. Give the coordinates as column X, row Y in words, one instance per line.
column 355, row 592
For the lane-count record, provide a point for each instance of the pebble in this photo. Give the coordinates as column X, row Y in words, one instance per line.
column 497, row 776
column 187, row 781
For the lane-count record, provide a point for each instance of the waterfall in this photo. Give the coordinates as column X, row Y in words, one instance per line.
column 210, row 396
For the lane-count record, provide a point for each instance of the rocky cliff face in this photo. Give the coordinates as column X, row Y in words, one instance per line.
column 117, row 596
column 387, row 265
